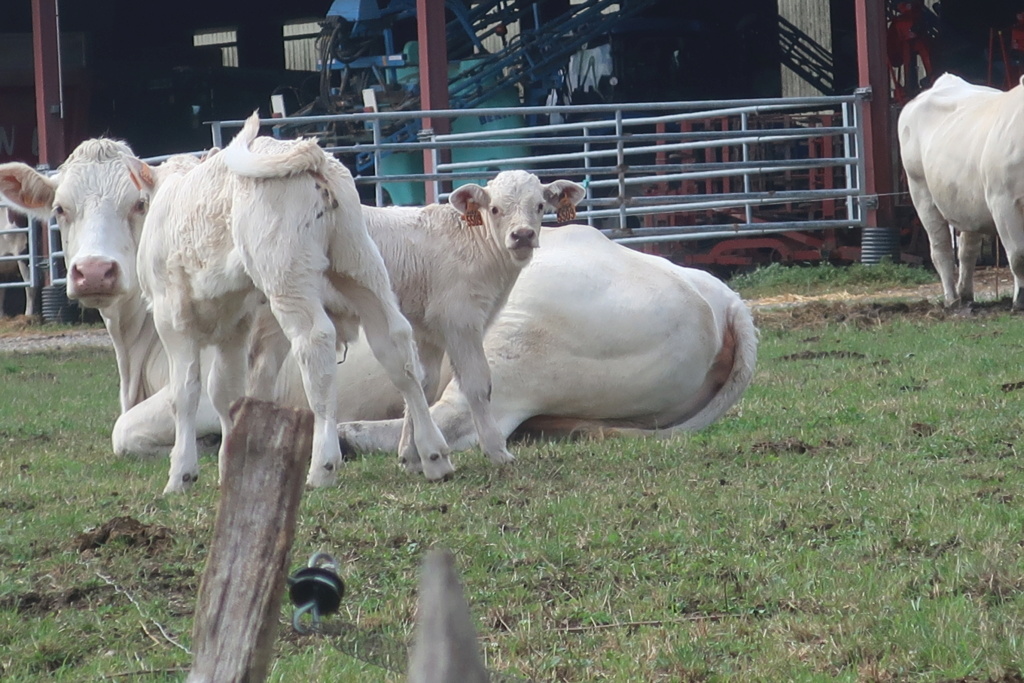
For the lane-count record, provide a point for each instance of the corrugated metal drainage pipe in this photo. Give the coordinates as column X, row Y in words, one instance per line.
column 57, row 308
column 878, row 244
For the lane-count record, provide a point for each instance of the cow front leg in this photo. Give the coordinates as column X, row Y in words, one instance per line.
column 225, row 385
column 469, row 365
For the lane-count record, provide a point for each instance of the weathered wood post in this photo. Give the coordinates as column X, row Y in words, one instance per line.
column 446, row 649
column 268, row 453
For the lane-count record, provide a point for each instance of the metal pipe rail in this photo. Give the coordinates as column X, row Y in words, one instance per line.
column 31, row 257
column 645, row 161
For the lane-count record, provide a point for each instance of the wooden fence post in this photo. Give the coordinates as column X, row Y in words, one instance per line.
column 446, row 648
column 268, row 453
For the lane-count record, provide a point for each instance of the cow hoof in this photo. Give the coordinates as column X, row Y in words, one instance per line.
column 439, row 468
column 320, row 477
column 410, row 465
column 502, row 458
column 182, row 483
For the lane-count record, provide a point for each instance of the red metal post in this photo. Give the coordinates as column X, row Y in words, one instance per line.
column 46, row 62
column 873, row 72
column 433, row 63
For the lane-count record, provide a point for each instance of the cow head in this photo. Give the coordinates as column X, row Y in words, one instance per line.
column 99, row 211
column 512, row 206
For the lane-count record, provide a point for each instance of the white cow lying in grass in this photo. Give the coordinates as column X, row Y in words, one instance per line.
column 452, row 276
column 15, row 244
column 965, row 169
column 217, row 247
column 596, row 338
column 618, row 299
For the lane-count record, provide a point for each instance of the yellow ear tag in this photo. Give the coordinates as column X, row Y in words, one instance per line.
column 472, row 215
column 566, row 210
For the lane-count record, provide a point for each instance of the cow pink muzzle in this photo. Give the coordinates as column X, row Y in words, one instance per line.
column 93, row 277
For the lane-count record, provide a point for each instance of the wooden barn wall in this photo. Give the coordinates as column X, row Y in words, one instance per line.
column 813, row 18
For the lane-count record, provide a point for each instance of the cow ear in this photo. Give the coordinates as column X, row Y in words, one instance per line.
column 563, row 196
column 26, row 188
column 469, row 200
column 141, row 173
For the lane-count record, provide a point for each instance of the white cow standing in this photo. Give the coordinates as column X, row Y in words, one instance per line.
column 14, row 242
column 217, row 247
column 597, row 338
column 99, row 211
column 962, row 147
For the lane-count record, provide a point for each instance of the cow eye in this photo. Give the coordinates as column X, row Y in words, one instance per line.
column 540, row 208
column 494, row 211
column 140, row 206
column 58, row 210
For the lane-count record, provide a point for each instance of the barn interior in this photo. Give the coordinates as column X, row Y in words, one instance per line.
column 155, row 74
column 136, row 71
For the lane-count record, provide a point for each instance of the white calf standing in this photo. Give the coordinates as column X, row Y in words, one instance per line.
column 14, row 242
column 453, row 267
column 216, row 247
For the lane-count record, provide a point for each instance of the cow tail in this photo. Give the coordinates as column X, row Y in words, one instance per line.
column 741, row 333
column 300, row 156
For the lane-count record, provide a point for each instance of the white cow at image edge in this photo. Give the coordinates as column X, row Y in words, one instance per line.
column 14, row 242
column 595, row 338
column 962, row 147
column 99, row 211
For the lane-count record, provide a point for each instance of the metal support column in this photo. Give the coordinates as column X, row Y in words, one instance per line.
column 49, row 95
column 433, row 65
column 881, row 237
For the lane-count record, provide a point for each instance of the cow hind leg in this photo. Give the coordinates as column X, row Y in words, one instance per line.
column 1010, row 227
column 390, row 337
column 312, row 338
column 940, row 242
column 30, row 292
column 185, row 386
column 969, row 248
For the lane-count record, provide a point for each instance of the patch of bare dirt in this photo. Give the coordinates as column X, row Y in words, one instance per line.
column 126, row 532
column 865, row 314
column 993, row 291
column 37, row 603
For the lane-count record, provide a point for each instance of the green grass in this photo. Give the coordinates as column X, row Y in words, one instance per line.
column 825, row 277
column 857, row 518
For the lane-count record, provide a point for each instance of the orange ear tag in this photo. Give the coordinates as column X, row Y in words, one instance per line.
column 472, row 215
column 566, row 210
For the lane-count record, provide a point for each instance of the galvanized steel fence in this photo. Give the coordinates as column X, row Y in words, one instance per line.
column 656, row 172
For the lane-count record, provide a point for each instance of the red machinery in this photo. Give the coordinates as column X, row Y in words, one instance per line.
column 748, row 250
column 908, row 47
